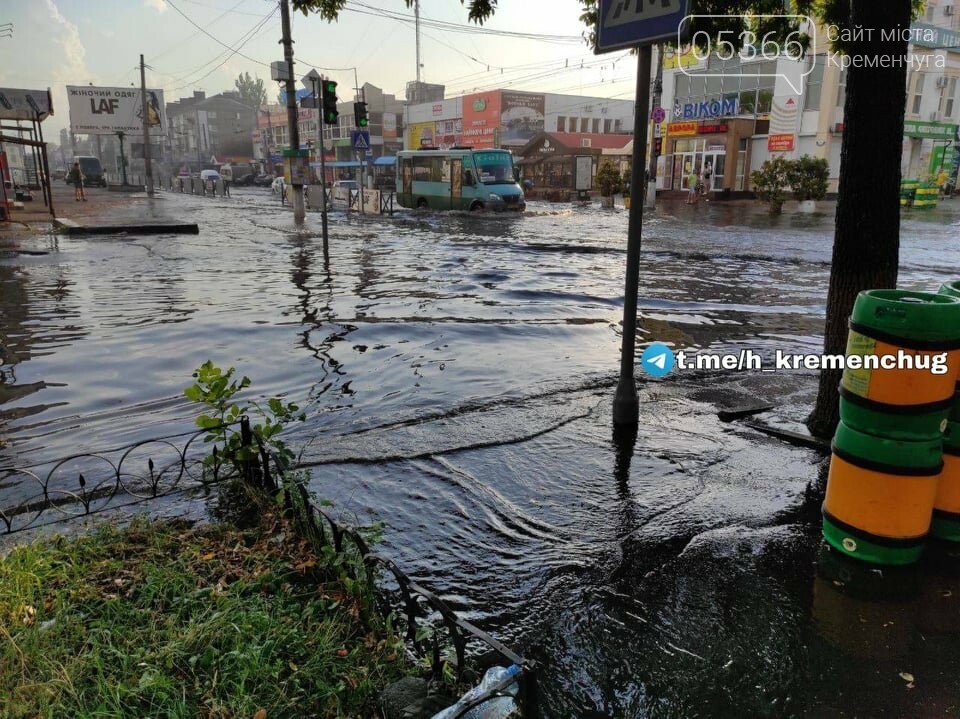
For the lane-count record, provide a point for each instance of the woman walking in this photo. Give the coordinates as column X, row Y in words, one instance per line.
column 76, row 177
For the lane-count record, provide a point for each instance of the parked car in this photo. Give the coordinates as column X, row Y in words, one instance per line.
column 244, row 180
column 263, row 180
column 92, row 171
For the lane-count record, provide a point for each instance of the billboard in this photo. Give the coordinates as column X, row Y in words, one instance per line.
column 106, row 110
column 25, row 104
column 521, row 117
column 481, row 119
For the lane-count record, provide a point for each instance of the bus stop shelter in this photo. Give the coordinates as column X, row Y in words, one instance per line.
column 22, row 113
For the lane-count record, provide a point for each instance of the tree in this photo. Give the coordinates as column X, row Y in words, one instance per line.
column 252, row 92
column 808, row 177
column 770, row 182
column 866, row 243
column 608, row 179
column 477, row 10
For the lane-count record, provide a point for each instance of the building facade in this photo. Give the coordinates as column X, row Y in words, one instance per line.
column 211, row 131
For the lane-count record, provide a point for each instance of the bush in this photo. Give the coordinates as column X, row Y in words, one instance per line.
column 808, row 177
column 770, row 182
column 608, row 179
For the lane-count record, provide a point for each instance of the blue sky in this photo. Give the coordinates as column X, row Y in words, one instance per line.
column 65, row 42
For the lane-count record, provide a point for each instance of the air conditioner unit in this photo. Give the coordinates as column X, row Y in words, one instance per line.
column 942, row 81
column 584, row 142
column 948, row 9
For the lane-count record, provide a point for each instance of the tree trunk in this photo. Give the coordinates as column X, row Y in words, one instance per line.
column 866, row 241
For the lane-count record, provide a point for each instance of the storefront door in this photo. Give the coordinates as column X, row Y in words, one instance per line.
column 716, row 160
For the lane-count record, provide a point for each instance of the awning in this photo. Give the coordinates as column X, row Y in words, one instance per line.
column 338, row 163
column 385, row 160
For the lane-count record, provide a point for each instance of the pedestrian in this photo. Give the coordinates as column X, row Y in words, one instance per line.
column 77, row 178
column 692, row 181
column 707, row 175
column 942, row 181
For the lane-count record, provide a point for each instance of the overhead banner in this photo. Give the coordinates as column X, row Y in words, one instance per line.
column 481, row 119
column 107, row 110
column 521, row 117
column 25, row 104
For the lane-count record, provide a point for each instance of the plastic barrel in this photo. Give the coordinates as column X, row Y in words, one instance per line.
column 907, row 190
column 880, row 496
column 946, row 506
column 926, row 195
column 895, row 402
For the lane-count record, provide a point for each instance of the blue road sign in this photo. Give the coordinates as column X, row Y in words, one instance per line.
column 628, row 23
column 360, row 139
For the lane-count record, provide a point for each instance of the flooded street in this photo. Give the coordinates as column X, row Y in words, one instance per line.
column 458, row 372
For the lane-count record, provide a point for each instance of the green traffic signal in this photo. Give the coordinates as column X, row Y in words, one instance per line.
column 329, row 101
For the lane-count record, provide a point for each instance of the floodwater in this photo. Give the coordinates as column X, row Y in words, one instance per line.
column 458, row 371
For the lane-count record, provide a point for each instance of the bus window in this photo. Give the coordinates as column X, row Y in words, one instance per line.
column 494, row 168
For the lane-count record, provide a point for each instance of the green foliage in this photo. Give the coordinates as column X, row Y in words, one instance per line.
column 608, row 179
column 162, row 620
column 807, row 177
column 252, row 91
column 478, row 11
column 217, row 389
column 770, row 182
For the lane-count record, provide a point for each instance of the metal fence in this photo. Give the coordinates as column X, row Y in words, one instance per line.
column 86, row 484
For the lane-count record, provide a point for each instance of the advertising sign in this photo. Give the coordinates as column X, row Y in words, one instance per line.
column 25, row 104
column 521, row 117
column 682, row 57
column 624, row 24
column 783, row 115
column 481, row 119
column 584, row 173
column 389, row 126
column 106, row 110
column 934, row 130
column 682, row 129
column 420, row 134
column 780, row 143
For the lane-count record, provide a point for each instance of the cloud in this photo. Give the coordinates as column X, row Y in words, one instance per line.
column 57, row 58
column 158, row 5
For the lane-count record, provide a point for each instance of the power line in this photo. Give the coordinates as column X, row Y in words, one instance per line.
column 213, row 37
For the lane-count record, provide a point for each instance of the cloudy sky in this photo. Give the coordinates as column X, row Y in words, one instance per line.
column 65, row 42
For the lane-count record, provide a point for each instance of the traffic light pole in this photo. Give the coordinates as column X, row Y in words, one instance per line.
column 299, row 211
column 323, row 166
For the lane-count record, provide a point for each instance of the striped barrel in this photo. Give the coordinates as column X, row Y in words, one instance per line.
column 880, row 496
column 926, row 195
column 907, row 190
column 946, row 505
column 889, row 328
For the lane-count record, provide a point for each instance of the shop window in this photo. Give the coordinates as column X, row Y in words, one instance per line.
column 618, row 125
column 584, row 124
column 607, row 124
column 561, row 124
column 681, row 86
column 748, row 102
column 764, row 101
column 951, row 96
column 842, row 88
column 596, row 125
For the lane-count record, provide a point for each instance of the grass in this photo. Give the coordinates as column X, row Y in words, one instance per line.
column 162, row 619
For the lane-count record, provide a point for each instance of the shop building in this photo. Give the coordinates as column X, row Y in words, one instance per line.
column 549, row 159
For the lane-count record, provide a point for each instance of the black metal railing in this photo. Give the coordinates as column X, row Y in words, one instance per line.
column 85, row 484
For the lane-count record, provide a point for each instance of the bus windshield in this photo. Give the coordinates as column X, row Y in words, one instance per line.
column 494, row 168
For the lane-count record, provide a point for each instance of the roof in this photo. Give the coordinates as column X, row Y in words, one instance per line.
column 386, row 160
column 598, row 140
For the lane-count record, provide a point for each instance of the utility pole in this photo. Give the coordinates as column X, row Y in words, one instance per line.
column 123, row 159
column 147, row 169
column 416, row 15
column 299, row 211
column 657, row 92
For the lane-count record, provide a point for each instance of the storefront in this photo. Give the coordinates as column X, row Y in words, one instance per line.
column 928, row 148
column 720, row 144
column 549, row 158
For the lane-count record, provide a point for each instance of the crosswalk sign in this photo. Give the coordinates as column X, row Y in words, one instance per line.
column 360, row 139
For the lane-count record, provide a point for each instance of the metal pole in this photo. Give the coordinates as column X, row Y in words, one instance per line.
column 123, row 159
column 148, row 170
column 657, row 91
column 299, row 211
column 47, row 187
column 626, row 404
column 323, row 166
column 416, row 15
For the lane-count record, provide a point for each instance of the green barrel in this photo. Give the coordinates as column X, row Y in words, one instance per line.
column 946, row 507
column 896, row 404
column 952, row 289
column 907, row 190
column 880, row 496
column 926, row 195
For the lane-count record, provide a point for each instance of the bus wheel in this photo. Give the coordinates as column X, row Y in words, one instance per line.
column 476, row 206
column 422, row 203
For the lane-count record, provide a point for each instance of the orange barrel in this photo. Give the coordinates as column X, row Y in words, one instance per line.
column 909, row 343
column 946, row 506
column 880, row 496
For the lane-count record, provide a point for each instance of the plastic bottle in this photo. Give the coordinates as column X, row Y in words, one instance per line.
column 502, row 679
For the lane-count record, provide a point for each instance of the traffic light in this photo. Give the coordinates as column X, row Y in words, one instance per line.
column 360, row 115
column 329, row 100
